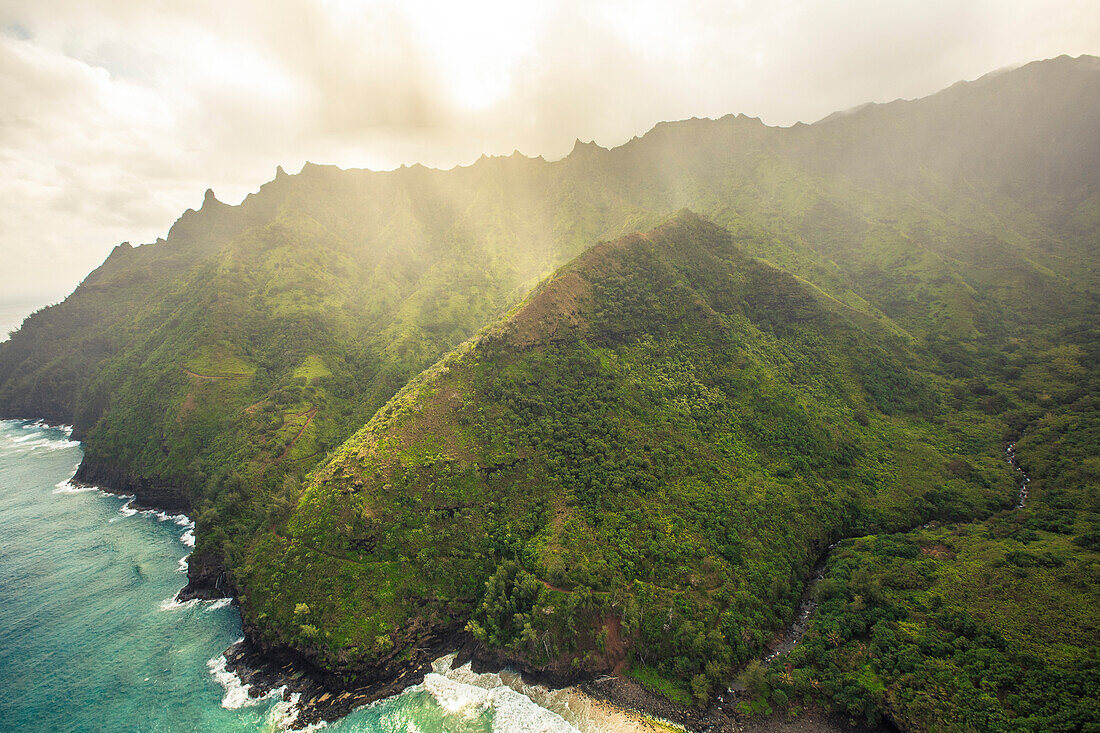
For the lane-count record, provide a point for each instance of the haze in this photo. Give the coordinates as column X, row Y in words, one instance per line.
column 117, row 117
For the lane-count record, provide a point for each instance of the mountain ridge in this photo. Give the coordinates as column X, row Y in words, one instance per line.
column 213, row 370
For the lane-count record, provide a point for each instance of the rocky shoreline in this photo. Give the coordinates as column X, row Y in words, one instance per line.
column 207, row 579
column 148, row 494
column 317, row 697
column 321, row 696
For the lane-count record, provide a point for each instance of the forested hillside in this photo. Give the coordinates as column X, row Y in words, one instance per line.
column 653, row 449
column 645, row 450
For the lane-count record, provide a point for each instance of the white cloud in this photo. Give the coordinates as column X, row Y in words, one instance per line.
column 117, row 115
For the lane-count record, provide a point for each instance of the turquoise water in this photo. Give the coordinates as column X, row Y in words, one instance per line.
column 91, row 639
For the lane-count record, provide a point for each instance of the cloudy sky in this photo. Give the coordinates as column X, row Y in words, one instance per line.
column 116, row 115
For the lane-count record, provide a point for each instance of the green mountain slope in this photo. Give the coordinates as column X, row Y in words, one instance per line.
column 909, row 285
column 210, row 370
column 987, row 625
column 654, row 447
column 402, row 266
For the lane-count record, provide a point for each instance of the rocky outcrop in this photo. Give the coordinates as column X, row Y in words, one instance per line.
column 148, row 493
column 324, row 695
column 207, row 579
column 556, row 674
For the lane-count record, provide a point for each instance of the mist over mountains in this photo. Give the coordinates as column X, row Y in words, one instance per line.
column 604, row 414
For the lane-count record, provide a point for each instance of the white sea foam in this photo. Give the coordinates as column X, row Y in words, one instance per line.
column 183, row 563
column 515, row 713
column 236, row 692
column 181, row 519
column 43, row 425
column 455, row 697
column 464, row 693
column 518, row 706
column 128, row 510
column 67, row 487
column 59, row 444
column 283, row 714
column 37, row 440
column 515, row 707
column 173, row 604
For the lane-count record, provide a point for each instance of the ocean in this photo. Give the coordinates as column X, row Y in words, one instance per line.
column 91, row 638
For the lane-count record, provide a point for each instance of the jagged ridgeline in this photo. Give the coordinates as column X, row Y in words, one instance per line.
column 645, row 457
column 661, row 438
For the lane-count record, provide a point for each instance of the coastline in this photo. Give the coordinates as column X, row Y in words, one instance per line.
column 147, row 494
column 315, row 696
column 611, row 704
column 320, row 696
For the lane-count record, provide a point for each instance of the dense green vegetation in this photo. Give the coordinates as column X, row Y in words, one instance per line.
column 990, row 625
column 637, row 465
column 654, row 447
column 955, row 628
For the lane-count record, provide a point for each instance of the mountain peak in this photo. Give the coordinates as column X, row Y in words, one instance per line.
column 586, row 148
column 311, row 168
column 120, row 249
column 561, row 307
